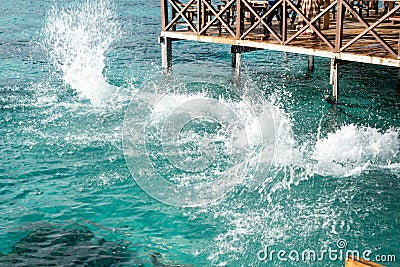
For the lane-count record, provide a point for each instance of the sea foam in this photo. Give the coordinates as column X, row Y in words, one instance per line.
column 77, row 38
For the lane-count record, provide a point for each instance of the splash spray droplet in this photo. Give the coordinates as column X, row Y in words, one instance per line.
column 77, row 38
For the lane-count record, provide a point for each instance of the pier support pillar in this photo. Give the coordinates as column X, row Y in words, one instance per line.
column 238, row 61
column 284, row 55
column 166, row 54
column 236, row 52
column 310, row 63
column 335, row 79
column 398, row 80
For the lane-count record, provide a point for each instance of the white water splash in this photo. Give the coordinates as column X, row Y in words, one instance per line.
column 350, row 150
column 77, row 39
column 353, row 149
column 347, row 151
column 246, row 124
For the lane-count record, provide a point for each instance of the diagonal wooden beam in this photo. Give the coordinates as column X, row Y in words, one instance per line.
column 218, row 17
column 370, row 28
column 174, row 19
column 180, row 14
column 366, row 25
column 310, row 24
column 261, row 19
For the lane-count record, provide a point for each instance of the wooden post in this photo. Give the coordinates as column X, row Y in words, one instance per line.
column 285, row 55
column 398, row 47
column 199, row 17
column 391, row 5
column 284, row 21
column 239, row 19
column 164, row 14
column 335, row 79
column 203, row 15
column 310, row 63
column 238, row 63
column 236, row 52
column 166, row 54
column 339, row 25
column 233, row 54
column 398, row 79
column 326, row 16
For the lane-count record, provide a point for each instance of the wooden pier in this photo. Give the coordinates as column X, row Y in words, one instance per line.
column 346, row 30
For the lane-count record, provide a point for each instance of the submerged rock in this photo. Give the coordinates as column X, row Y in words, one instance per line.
column 72, row 245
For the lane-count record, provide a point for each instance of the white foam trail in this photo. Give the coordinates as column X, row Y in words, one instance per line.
column 257, row 218
column 248, row 134
column 348, row 151
column 239, row 127
column 77, row 39
column 353, row 149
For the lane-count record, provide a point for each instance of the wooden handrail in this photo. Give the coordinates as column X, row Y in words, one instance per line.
column 238, row 30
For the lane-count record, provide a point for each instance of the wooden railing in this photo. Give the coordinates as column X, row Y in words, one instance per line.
column 228, row 16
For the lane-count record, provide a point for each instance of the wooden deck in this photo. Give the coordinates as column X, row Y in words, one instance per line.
column 352, row 36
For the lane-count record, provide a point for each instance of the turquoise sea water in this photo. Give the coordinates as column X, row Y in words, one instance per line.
column 71, row 72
